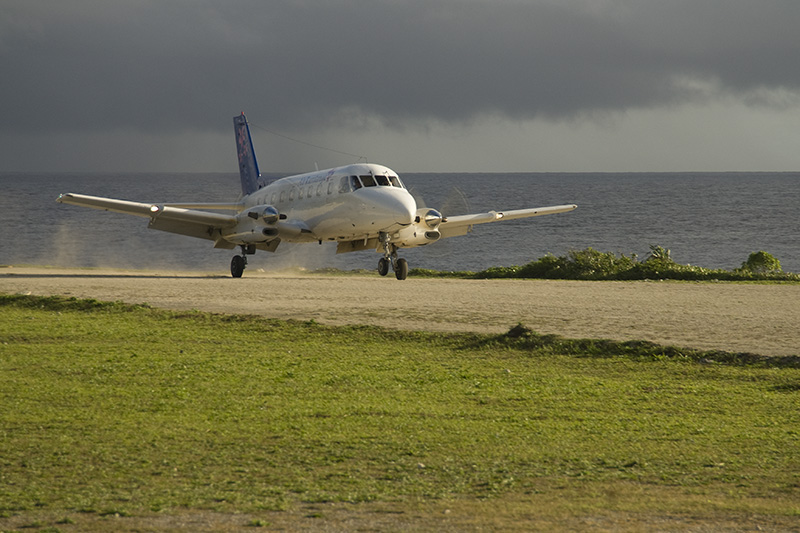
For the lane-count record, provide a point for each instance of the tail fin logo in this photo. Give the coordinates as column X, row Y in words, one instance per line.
column 248, row 166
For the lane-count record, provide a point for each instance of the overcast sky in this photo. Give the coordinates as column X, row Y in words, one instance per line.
column 418, row 85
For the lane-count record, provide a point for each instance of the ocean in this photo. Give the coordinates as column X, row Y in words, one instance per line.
column 713, row 220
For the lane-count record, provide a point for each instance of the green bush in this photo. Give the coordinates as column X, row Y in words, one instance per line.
column 548, row 266
column 590, row 264
column 761, row 263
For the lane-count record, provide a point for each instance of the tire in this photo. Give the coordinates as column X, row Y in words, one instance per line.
column 237, row 266
column 401, row 272
column 383, row 266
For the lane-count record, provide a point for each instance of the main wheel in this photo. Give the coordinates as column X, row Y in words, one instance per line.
column 237, row 266
column 401, row 271
column 383, row 266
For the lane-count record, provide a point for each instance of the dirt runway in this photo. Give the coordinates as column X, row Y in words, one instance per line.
column 755, row 318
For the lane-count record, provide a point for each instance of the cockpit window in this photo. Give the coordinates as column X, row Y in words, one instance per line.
column 380, row 179
column 355, row 183
column 344, row 184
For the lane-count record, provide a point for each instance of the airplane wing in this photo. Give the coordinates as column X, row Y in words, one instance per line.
column 462, row 224
column 203, row 205
column 191, row 222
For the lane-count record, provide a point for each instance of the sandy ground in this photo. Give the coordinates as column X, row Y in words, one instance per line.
column 753, row 318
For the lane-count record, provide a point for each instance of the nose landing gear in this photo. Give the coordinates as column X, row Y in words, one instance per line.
column 399, row 265
column 400, row 268
column 383, row 266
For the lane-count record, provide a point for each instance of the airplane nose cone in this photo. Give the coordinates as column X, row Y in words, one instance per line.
column 406, row 211
column 397, row 206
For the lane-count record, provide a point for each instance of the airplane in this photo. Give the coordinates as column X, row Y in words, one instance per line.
column 359, row 206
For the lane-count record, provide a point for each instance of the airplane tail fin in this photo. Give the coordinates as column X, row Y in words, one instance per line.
column 248, row 166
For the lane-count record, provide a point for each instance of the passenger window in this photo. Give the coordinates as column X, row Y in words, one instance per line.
column 272, row 200
column 368, row 181
column 283, row 196
column 355, row 183
column 382, row 180
column 291, row 194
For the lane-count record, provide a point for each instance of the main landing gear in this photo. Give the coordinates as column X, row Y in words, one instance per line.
column 399, row 265
column 239, row 262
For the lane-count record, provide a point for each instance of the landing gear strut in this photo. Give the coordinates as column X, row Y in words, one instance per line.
column 399, row 265
column 239, row 262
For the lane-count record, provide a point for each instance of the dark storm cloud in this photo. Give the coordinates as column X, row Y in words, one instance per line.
column 99, row 65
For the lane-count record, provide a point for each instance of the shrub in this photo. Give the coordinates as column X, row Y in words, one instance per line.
column 761, row 263
column 548, row 267
column 659, row 255
column 590, row 264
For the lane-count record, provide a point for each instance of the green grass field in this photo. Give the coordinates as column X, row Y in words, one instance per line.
column 109, row 409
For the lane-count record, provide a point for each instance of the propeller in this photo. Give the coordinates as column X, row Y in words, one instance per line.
column 454, row 203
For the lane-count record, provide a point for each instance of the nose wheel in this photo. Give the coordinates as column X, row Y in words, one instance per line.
column 383, row 266
column 401, row 269
column 399, row 265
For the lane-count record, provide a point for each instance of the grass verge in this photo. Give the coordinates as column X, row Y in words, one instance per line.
column 116, row 410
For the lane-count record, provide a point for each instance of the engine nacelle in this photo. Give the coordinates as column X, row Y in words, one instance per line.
column 249, row 233
column 416, row 235
column 257, row 224
column 429, row 218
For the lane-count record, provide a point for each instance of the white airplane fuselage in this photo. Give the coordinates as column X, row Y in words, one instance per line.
column 354, row 205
